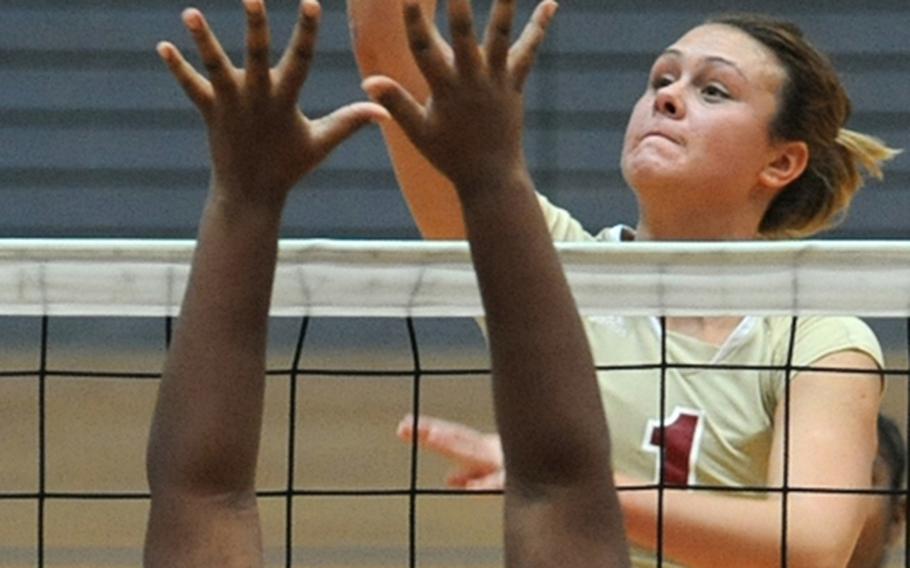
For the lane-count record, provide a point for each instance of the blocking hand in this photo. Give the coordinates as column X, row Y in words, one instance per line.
column 261, row 143
column 471, row 127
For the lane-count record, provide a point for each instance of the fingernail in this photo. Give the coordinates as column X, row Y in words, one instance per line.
column 192, row 18
column 372, row 94
column 310, row 8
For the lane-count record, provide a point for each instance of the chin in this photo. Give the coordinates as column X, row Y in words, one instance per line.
column 645, row 177
column 644, row 164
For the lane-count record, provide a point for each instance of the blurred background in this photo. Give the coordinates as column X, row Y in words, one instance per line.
column 97, row 141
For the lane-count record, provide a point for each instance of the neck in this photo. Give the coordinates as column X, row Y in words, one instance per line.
column 668, row 214
column 644, row 232
column 697, row 226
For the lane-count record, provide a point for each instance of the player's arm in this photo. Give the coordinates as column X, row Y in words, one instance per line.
column 381, row 48
column 205, row 432
column 560, row 503
column 832, row 445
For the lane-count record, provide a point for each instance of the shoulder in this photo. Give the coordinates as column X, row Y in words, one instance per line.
column 565, row 227
column 839, row 342
column 816, row 337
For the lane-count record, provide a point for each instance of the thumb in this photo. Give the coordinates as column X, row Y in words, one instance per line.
column 404, row 108
column 331, row 130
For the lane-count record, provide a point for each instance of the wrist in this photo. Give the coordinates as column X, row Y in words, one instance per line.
column 240, row 209
column 246, row 195
column 482, row 183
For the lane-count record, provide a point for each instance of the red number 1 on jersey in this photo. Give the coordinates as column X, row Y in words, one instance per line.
column 681, row 438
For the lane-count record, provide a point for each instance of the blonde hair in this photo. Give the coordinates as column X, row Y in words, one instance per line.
column 813, row 107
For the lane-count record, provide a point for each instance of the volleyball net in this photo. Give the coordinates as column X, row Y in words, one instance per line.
column 361, row 333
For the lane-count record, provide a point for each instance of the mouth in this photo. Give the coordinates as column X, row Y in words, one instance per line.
column 658, row 134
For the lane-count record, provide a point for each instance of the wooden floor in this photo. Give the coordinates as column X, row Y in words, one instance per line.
column 96, row 431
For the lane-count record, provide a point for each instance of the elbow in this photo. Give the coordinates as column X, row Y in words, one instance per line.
column 818, row 559
column 162, row 472
column 829, row 545
column 199, row 473
column 819, row 550
column 156, row 463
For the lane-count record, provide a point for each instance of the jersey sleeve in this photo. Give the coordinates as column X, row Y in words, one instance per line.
column 561, row 224
column 817, row 338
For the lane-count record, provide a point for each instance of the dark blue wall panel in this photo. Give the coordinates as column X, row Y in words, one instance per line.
column 97, row 140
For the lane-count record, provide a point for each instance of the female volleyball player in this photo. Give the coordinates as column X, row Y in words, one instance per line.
column 738, row 135
column 560, row 504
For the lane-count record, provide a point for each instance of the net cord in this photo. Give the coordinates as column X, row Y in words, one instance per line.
column 436, row 279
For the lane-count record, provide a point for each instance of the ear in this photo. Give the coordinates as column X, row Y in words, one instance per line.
column 788, row 161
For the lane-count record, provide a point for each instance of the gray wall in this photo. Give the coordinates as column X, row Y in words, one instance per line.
column 97, row 140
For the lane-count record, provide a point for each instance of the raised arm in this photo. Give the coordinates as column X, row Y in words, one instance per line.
column 205, row 432
column 560, row 504
column 381, row 48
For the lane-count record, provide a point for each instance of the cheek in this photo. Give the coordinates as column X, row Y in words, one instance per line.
column 734, row 140
column 637, row 121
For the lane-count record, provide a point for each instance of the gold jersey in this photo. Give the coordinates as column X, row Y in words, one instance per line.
column 717, row 421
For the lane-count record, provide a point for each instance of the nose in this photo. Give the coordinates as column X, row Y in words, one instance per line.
column 669, row 102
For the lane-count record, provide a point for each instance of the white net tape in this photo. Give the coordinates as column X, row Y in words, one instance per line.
column 416, row 278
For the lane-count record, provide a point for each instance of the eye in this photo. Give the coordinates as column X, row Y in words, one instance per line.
column 715, row 92
column 661, row 81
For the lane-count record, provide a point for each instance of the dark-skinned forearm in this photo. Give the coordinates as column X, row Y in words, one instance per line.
column 205, row 432
column 544, row 371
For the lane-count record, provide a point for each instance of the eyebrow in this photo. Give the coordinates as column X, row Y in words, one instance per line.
column 716, row 59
